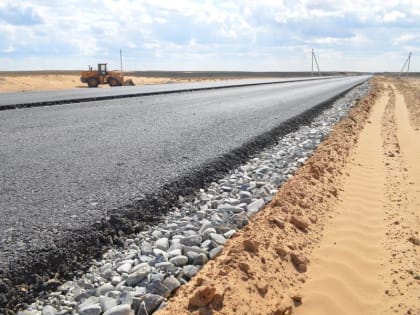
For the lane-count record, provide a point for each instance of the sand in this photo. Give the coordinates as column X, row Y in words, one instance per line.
column 340, row 237
column 45, row 82
column 410, row 88
column 345, row 274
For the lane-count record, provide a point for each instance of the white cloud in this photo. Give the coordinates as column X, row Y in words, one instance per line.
column 8, row 49
column 86, row 46
column 326, row 40
column 407, row 38
column 393, row 16
column 189, row 34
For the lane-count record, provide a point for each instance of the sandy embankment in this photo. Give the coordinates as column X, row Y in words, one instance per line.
column 341, row 237
column 44, row 82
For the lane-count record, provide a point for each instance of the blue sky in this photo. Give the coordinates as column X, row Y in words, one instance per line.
column 264, row 35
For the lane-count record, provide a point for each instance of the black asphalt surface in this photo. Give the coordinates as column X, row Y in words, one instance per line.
column 72, row 176
column 43, row 98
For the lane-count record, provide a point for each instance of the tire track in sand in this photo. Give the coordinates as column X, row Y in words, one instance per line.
column 368, row 261
column 409, row 143
column 401, row 142
column 344, row 275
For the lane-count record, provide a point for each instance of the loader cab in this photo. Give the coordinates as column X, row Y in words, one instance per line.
column 102, row 69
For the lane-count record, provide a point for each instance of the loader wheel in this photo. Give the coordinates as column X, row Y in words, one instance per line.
column 93, row 82
column 113, row 82
column 128, row 82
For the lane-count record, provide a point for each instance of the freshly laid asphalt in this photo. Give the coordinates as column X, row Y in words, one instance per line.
column 65, row 170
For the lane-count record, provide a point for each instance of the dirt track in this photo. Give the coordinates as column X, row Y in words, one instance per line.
column 341, row 237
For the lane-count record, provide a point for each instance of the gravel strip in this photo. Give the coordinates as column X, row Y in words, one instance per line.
column 152, row 265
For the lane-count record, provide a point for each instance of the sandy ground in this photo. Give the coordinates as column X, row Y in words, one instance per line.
column 411, row 90
column 340, row 237
column 21, row 83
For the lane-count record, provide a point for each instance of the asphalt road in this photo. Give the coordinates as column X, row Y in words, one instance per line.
column 33, row 98
column 63, row 168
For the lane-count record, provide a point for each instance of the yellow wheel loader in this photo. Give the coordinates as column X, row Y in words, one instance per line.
column 102, row 76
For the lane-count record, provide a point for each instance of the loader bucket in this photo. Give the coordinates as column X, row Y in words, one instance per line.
column 128, row 82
